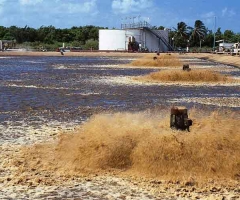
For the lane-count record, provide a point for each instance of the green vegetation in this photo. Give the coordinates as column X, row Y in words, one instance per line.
column 199, row 36
column 51, row 38
column 86, row 37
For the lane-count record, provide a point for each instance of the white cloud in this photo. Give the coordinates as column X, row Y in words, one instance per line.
column 224, row 11
column 87, row 7
column 231, row 13
column 60, row 13
column 127, row 6
column 209, row 17
column 228, row 13
column 30, row 2
column 2, row 2
column 2, row 5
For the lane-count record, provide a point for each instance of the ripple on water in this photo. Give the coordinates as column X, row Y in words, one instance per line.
column 233, row 102
column 45, row 95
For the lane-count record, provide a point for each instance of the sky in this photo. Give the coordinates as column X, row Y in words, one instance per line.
column 111, row 13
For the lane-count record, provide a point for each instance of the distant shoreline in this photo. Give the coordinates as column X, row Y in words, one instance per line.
column 224, row 59
column 80, row 54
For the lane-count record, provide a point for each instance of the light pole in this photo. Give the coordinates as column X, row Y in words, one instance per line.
column 133, row 19
column 214, row 36
column 173, row 42
column 201, row 43
column 188, row 45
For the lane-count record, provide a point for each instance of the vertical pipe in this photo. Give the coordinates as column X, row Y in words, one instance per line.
column 214, row 36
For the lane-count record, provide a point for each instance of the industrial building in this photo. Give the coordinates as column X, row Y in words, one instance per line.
column 134, row 37
column 6, row 44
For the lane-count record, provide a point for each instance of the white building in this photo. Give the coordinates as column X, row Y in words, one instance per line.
column 6, row 44
column 134, row 39
column 225, row 46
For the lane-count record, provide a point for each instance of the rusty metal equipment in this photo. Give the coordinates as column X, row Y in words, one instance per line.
column 61, row 51
column 186, row 67
column 179, row 119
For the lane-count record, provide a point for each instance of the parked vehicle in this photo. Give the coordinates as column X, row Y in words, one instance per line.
column 236, row 49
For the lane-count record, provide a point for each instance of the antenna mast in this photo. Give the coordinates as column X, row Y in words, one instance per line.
column 214, row 36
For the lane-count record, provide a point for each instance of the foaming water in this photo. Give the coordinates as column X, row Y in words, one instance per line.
column 8, row 57
column 40, row 87
column 219, row 101
column 35, row 91
column 142, row 143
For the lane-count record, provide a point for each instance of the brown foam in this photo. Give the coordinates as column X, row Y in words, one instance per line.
column 143, row 143
column 183, row 76
column 160, row 61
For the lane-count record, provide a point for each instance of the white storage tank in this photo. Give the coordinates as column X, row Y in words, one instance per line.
column 112, row 40
column 118, row 40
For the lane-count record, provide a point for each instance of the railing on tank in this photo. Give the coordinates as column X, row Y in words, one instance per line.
column 136, row 25
column 145, row 25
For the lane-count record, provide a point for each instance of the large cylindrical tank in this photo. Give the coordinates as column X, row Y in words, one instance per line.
column 112, row 40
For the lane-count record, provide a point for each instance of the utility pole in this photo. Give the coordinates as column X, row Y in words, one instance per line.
column 214, row 36
column 133, row 19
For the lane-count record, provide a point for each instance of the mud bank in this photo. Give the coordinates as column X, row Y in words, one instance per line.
column 73, row 54
column 219, row 58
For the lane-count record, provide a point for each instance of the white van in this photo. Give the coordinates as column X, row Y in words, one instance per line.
column 236, row 48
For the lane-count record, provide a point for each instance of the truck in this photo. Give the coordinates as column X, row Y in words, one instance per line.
column 235, row 49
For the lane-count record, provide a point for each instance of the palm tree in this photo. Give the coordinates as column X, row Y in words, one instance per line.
column 198, row 32
column 181, row 30
column 180, row 34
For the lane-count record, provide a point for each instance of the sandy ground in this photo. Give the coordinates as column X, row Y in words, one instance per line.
column 89, row 54
column 220, row 58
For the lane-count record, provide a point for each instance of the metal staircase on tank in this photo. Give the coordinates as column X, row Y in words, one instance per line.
column 160, row 36
column 146, row 26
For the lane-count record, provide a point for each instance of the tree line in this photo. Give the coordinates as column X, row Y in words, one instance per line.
column 51, row 37
column 87, row 36
column 199, row 35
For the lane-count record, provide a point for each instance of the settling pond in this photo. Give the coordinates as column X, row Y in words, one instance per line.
column 40, row 94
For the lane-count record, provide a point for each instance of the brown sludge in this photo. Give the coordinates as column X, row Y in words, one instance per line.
column 143, row 144
column 198, row 75
column 164, row 60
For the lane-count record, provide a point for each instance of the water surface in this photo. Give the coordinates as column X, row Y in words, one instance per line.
column 39, row 95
